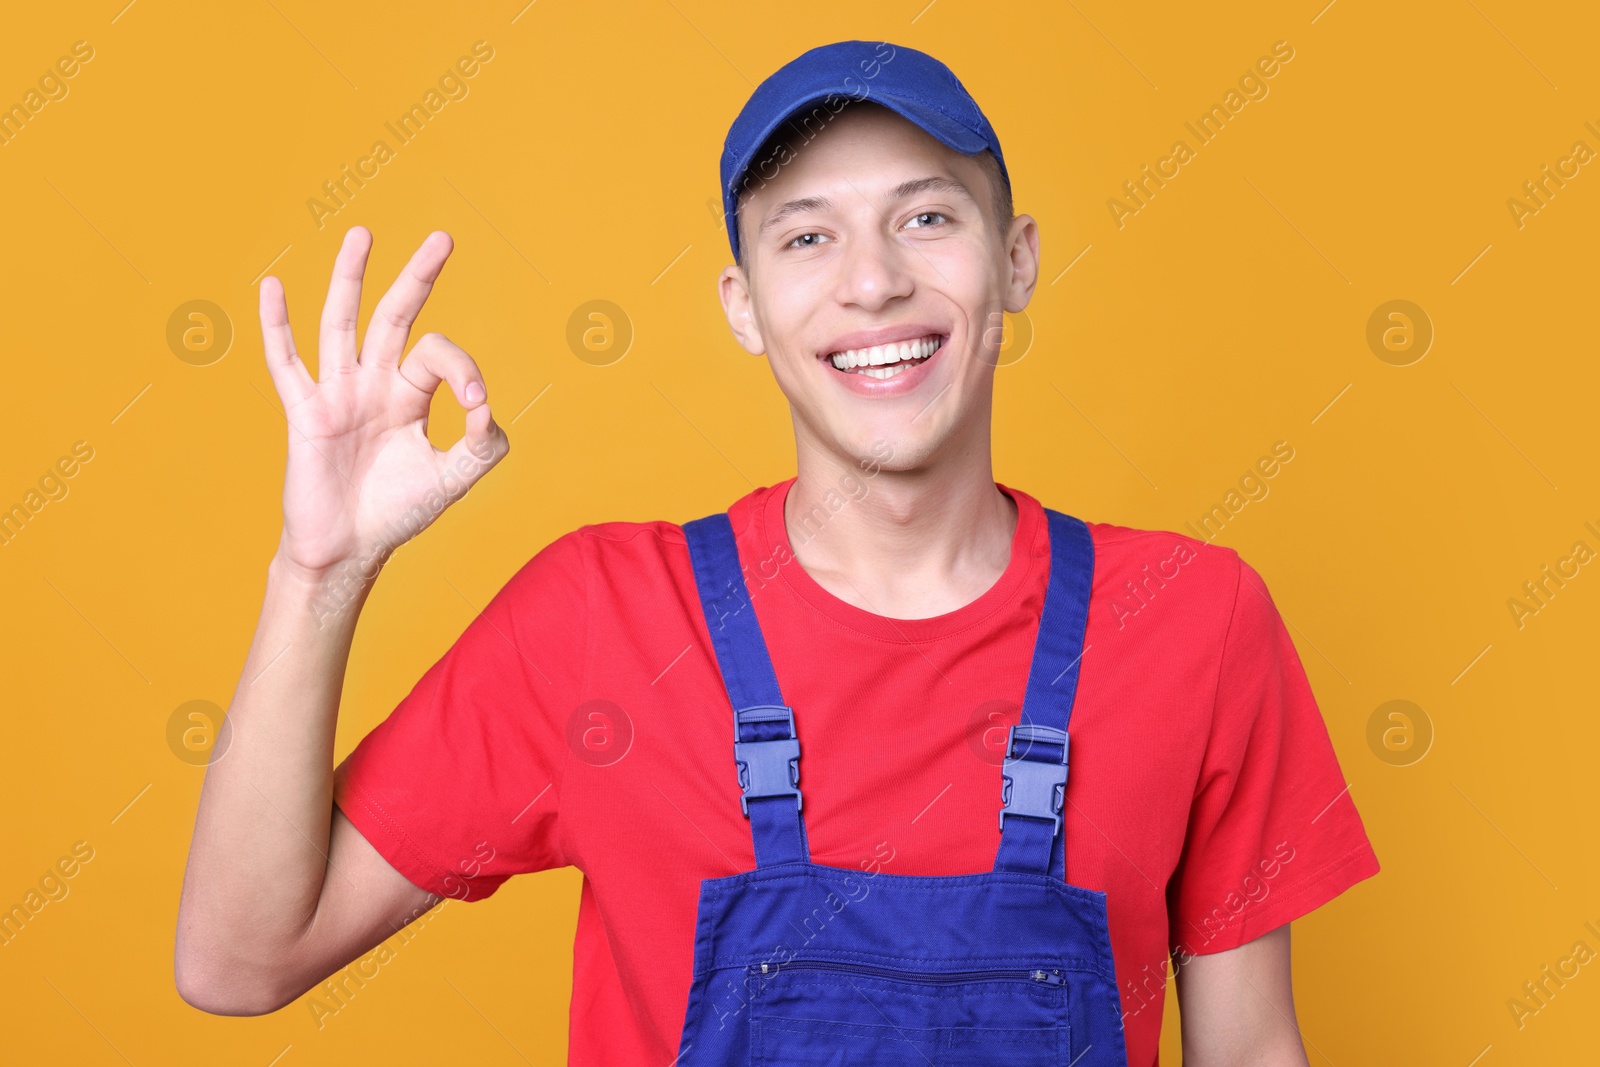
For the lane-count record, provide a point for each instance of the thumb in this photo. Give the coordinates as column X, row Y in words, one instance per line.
column 482, row 446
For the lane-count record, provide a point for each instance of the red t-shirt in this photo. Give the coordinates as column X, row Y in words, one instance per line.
column 580, row 720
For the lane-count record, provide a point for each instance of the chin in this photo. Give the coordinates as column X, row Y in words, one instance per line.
column 892, row 450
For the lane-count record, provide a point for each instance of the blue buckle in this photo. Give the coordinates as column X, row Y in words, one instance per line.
column 766, row 768
column 1033, row 787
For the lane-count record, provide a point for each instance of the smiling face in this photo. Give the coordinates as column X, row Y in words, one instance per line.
column 874, row 276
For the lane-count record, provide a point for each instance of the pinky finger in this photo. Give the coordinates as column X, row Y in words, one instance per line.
column 289, row 375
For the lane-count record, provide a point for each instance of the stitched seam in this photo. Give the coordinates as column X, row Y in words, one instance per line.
column 1130, row 534
column 933, row 882
column 407, row 845
column 1017, row 592
column 562, row 822
column 1233, row 613
column 744, row 959
column 1313, row 881
column 1044, row 993
column 1018, row 985
column 654, row 528
column 1009, row 602
column 999, row 1033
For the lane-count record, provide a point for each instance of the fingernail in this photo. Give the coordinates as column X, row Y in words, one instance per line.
column 474, row 392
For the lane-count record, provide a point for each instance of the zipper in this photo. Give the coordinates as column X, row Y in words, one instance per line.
column 1035, row 974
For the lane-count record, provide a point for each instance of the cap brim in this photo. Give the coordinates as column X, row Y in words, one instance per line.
column 940, row 126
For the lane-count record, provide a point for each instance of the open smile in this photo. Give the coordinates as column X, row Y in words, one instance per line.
column 886, row 360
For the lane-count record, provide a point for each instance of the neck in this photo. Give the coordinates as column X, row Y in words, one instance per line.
column 903, row 544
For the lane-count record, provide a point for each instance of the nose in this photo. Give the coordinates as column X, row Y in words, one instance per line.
column 873, row 271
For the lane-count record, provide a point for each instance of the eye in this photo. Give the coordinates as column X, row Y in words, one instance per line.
column 803, row 242
column 920, row 221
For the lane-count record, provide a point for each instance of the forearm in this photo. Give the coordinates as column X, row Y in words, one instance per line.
column 258, row 858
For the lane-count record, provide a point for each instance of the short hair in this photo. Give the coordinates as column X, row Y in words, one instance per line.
column 781, row 146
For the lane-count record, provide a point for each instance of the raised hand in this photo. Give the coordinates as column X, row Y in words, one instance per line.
column 362, row 477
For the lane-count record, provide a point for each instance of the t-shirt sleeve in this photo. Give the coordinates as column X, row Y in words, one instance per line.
column 1273, row 832
column 460, row 787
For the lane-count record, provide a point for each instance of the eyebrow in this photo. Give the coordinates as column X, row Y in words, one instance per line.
column 902, row 191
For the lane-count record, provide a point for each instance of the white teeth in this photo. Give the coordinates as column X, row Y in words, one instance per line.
column 869, row 359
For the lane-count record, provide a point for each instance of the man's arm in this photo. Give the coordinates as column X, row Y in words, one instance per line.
column 1237, row 1006
column 280, row 889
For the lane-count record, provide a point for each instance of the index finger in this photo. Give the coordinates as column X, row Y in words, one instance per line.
column 392, row 318
column 337, row 351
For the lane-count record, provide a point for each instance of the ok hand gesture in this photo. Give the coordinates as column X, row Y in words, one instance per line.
column 362, row 477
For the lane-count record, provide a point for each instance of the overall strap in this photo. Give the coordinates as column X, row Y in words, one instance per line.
column 1034, row 774
column 766, row 748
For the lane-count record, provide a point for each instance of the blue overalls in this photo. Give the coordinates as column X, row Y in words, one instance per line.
column 802, row 965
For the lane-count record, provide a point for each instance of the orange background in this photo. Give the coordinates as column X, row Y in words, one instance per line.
column 1166, row 355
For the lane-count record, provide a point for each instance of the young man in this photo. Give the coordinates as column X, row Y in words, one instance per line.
column 906, row 599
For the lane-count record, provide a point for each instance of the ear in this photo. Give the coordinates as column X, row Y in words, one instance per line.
column 1022, row 250
column 734, row 289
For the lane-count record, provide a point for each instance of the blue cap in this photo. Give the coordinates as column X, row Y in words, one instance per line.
column 819, row 83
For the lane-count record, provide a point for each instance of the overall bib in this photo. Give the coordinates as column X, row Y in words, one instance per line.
column 802, row 965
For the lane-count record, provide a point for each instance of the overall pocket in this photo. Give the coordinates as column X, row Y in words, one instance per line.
column 822, row 1013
